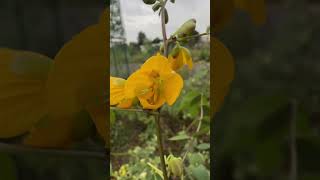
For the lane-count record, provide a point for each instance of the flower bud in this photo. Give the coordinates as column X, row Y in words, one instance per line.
column 175, row 166
column 174, row 52
column 149, row 1
column 156, row 7
column 186, row 28
column 166, row 16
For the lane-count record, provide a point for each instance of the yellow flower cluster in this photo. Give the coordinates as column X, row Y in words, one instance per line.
column 154, row 84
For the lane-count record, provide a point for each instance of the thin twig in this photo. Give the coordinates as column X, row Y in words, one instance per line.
column 172, row 39
column 160, row 144
column 198, row 129
column 19, row 149
column 293, row 148
column 164, row 32
column 135, row 110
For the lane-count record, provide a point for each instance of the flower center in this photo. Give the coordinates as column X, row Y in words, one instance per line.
column 156, row 87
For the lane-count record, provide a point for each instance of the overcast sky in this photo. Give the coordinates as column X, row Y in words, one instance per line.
column 138, row 16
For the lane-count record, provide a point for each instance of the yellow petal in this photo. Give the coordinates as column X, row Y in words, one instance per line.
column 79, row 74
column 138, row 84
column 172, row 88
column 187, row 57
column 147, row 105
column 222, row 73
column 23, row 103
column 183, row 57
column 176, row 63
column 116, row 90
column 99, row 115
column 78, row 79
column 51, row 132
column 125, row 103
column 159, row 64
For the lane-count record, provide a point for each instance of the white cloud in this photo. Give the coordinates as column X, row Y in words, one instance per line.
column 138, row 16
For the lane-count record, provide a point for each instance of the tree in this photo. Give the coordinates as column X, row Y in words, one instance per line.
column 141, row 38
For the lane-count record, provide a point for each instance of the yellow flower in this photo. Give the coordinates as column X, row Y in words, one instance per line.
column 154, row 83
column 183, row 57
column 117, row 93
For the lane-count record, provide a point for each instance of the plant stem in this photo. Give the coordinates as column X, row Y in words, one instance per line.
column 174, row 39
column 160, row 144
column 164, row 32
column 157, row 116
column 135, row 110
column 18, row 149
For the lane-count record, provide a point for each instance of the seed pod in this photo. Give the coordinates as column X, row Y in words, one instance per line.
column 149, row 1
column 186, row 28
column 166, row 16
column 156, row 7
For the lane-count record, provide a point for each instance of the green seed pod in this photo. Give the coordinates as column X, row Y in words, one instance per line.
column 156, row 7
column 166, row 16
column 149, row 1
column 186, row 28
column 175, row 166
column 174, row 52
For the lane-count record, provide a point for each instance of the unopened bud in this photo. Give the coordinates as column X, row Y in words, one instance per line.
column 174, row 52
column 186, row 28
column 149, row 1
column 166, row 16
column 156, row 7
column 175, row 166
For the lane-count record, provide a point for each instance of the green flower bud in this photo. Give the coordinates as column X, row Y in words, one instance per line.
column 175, row 166
column 186, row 28
column 166, row 16
column 174, row 52
column 149, row 1
column 156, row 7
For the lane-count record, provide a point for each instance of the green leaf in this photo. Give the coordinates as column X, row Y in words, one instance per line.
column 156, row 170
column 180, row 136
column 200, row 172
column 196, row 159
column 203, row 146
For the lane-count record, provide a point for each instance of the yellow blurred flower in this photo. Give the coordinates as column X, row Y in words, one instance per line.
column 154, row 83
column 183, row 57
column 117, row 93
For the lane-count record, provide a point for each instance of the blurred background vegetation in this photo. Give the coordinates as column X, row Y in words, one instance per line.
column 43, row 26
column 275, row 90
